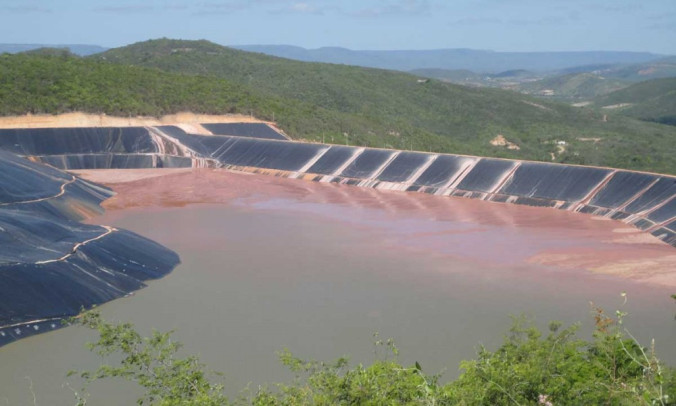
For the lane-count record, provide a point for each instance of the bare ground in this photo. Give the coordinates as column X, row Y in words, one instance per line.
column 188, row 121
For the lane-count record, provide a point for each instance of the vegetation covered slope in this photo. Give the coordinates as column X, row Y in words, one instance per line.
column 653, row 100
column 574, row 87
column 418, row 115
column 460, row 58
column 48, row 82
column 459, row 76
column 58, row 82
column 331, row 102
column 658, row 69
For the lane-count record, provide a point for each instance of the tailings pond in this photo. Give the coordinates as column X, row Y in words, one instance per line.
column 271, row 263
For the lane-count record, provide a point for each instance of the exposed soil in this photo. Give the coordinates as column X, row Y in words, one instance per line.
column 501, row 141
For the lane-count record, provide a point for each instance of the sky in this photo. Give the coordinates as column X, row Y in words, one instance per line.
column 499, row 25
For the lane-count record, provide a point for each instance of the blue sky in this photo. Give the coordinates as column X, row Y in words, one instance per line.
column 501, row 25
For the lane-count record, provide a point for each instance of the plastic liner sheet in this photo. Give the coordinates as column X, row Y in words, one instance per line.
column 622, row 187
column 332, row 160
column 666, row 235
column 403, row 166
column 251, row 130
column 168, row 161
column 620, row 215
column 658, row 193
column 528, row 201
column 286, row 156
column 98, row 161
column 201, row 144
column 671, row 226
column 80, row 199
column 13, row 333
column 115, row 161
column 25, row 237
column 22, row 180
column 50, row 265
column 644, row 224
column 98, row 272
column 171, row 130
column 442, row 170
column 554, row 182
column 366, row 163
column 664, row 213
column 88, row 140
column 486, row 174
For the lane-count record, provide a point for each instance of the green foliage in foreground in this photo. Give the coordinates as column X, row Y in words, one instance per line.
column 530, row 368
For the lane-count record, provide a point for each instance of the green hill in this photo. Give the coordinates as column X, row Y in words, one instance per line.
column 653, row 100
column 459, row 76
column 338, row 103
column 58, row 83
column 658, row 69
column 421, row 114
column 48, row 82
column 503, row 80
column 573, row 87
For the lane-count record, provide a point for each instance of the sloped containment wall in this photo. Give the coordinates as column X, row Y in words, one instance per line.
column 120, row 147
column 645, row 200
column 100, row 148
column 51, row 265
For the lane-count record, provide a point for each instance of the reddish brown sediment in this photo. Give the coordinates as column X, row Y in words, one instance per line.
column 487, row 232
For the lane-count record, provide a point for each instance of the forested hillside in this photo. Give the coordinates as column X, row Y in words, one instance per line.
column 653, row 100
column 334, row 103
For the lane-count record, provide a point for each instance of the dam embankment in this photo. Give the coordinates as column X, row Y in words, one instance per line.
column 645, row 200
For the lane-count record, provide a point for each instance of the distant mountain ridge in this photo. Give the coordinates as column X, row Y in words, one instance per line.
column 454, row 59
column 78, row 49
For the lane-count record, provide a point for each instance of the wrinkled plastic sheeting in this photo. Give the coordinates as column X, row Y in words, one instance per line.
column 98, row 272
column 115, row 161
column 52, row 266
column 554, row 182
column 85, row 140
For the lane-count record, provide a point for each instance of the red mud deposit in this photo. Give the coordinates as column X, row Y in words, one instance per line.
column 487, row 232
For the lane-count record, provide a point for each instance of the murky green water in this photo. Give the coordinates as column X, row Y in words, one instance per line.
column 257, row 278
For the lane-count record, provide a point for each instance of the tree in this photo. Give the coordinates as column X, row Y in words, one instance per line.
column 152, row 363
column 529, row 368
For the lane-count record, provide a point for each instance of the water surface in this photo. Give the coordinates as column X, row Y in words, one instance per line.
column 318, row 269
